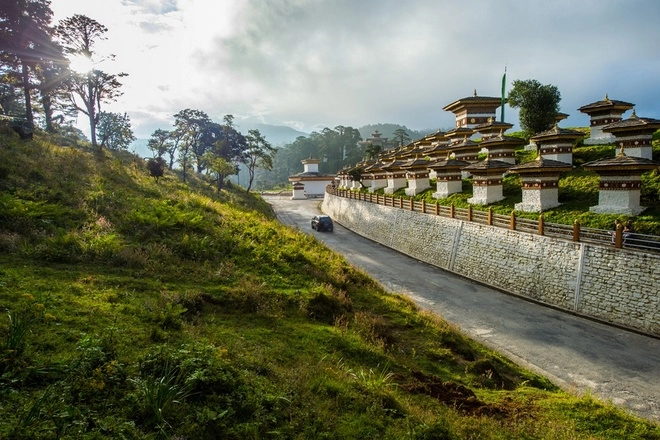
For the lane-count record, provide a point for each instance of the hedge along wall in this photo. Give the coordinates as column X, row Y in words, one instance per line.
column 613, row 285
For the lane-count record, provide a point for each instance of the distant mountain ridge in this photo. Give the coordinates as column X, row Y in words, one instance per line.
column 277, row 135
column 387, row 131
column 280, row 135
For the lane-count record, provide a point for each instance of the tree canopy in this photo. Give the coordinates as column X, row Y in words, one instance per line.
column 538, row 104
column 335, row 148
column 191, row 124
column 38, row 63
column 78, row 35
column 373, row 151
column 114, row 131
column 211, row 147
column 25, row 44
column 259, row 153
column 401, row 137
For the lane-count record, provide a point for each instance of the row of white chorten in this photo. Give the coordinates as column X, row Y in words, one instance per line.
column 450, row 156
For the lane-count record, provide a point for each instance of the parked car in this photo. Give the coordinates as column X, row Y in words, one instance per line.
column 322, row 223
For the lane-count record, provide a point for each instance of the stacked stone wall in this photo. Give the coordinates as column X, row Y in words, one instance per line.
column 621, row 287
column 614, row 285
column 533, row 266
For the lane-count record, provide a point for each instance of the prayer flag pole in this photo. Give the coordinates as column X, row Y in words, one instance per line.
column 503, row 95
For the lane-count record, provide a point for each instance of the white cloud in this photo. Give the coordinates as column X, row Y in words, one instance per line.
column 322, row 62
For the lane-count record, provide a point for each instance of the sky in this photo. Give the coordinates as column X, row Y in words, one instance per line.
column 310, row 64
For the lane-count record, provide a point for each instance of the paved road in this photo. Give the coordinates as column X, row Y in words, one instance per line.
column 575, row 353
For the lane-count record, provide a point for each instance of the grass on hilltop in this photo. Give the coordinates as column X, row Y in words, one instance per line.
column 140, row 310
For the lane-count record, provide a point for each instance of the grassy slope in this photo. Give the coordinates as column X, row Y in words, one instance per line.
column 137, row 309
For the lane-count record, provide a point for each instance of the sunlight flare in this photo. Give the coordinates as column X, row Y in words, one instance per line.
column 81, row 63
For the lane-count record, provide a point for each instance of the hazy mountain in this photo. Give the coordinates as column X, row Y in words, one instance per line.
column 388, row 130
column 277, row 135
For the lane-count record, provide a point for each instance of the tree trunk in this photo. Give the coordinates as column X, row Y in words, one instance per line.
column 251, row 174
column 91, row 111
column 48, row 113
column 221, row 181
column 92, row 131
column 25, row 71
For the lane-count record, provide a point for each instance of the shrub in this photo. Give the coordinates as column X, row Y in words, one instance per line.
column 327, row 308
column 32, row 217
column 64, row 247
column 651, row 188
column 200, row 374
column 584, row 155
column 457, row 343
column 374, row 329
column 156, row 168
column 374, row 380
column 159, row 393
column 21, row 321
column 161, row 218
column 488, row 374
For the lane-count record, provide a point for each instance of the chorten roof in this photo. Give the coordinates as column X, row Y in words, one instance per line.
column 466, row 142
column 541, row 165
column 418, row 163
column 311, row 174
column 633, row 123
column 558, row 133
column 422, row 143
column 448, row 164
column 459, row 132
column 436, row 148
column 503, row 140
column 471, row 101
column 605, row 104
column 359, row 166
column 622, row 163
column 438, row 136
column 393, row 165
column 412, row 150
column 388, row 155
column 493, row 126
column 488, row 166
column 343, row 171
column 374, row 167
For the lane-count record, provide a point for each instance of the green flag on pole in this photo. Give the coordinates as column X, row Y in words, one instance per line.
column 503, row 95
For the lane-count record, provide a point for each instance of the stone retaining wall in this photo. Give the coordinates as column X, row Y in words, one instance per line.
column 613, row 285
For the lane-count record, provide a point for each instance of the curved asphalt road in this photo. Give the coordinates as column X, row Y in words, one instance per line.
column 575, row 353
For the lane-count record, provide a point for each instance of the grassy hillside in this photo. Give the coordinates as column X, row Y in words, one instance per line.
column 139, row 309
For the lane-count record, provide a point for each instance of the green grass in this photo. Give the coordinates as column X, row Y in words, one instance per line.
column 144, row 310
